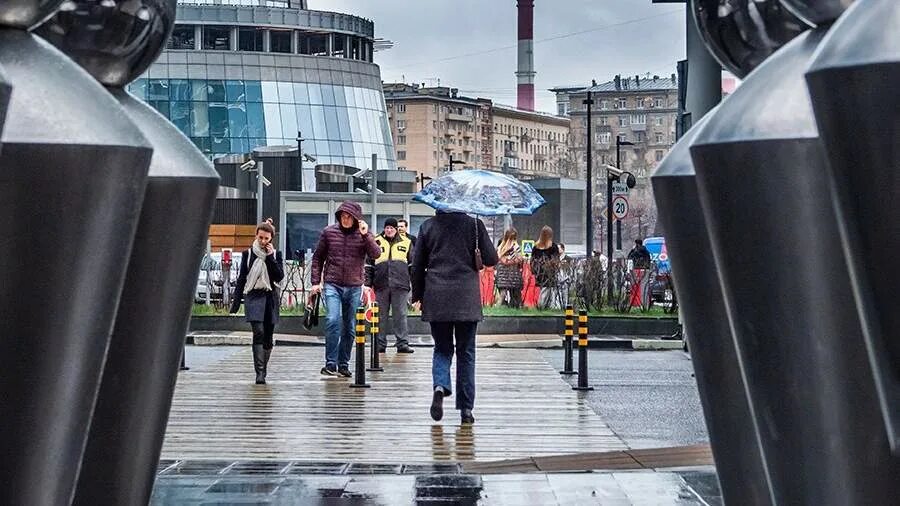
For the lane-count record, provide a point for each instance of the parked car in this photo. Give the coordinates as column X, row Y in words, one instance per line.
column 662, row 290
column 211, row 266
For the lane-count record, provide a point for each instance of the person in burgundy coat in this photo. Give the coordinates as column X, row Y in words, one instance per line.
column 338, row 272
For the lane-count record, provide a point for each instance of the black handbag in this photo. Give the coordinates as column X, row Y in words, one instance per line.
column 311, row 313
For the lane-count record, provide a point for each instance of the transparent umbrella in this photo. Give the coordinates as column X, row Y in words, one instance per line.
column 481, row 193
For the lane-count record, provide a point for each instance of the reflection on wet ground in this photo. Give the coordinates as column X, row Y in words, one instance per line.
column 643, row 487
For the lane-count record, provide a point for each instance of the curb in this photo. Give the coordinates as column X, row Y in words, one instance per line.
column 595, row 343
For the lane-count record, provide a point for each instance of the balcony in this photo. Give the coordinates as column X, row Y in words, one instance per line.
column 510, row 153
column 460, row 117
column 639, row 127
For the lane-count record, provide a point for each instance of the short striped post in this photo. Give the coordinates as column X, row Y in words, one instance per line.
column 360, row 380
column 582, row 352
column 374, row 363
column 567, row 342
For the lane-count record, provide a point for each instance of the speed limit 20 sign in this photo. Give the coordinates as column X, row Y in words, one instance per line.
column 620, row 207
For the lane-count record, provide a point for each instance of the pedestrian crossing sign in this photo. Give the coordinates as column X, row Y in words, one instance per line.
column 527, row 246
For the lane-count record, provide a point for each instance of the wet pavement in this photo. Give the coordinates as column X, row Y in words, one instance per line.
column 647, row 398
column 695, row 487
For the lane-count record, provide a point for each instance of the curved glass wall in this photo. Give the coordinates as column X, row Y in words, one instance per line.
column 341, row 125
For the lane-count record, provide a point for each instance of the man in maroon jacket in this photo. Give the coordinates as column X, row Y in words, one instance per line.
column 338, row 267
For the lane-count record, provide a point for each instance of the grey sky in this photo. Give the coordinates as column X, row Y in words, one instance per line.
column 428, row 33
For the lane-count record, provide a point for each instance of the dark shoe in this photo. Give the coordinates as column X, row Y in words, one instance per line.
column 259, row 364
column 329, row 370
column 345, row 372
column 405, row 349
column 466, row 416
column 437, row 405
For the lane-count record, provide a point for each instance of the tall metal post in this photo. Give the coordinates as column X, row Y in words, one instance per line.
column 300, row 157
column 374, row 192
column 609, row 237
column 589, row 191
column 259, row 191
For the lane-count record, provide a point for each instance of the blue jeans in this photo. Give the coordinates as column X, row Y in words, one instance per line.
column 443, row 332
column 340, row 303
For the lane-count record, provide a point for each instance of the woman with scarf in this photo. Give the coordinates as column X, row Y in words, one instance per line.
column 261, row 268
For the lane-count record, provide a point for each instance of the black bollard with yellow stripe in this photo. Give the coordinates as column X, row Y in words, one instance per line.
column 374, row 363
column 567, row 342
column 582, row 352
column 359, row 381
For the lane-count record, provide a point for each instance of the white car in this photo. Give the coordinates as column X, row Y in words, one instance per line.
column 211, row 270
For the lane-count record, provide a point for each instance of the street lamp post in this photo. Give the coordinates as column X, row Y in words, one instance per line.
column 300, row 157
column 609, row 212
column 589, row 211
column 453, row 162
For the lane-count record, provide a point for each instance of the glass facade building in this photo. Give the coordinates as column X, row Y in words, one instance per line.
column 239, row 74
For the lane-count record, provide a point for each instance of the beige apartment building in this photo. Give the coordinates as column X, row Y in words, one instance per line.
column 641, row 110
column 530, row 144
column 433, row 126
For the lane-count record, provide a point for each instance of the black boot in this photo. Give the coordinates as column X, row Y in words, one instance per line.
column 437, row 404
column 259, row 363
column 466, row 416
column 266, row 355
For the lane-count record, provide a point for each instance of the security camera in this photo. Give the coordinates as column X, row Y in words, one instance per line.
column 309, row 158
column 248, row 165
column 621, row 175
column 265, row 181
column 360, row 173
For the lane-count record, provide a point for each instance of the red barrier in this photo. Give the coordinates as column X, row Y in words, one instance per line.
column 530, row 290
column 487, row 286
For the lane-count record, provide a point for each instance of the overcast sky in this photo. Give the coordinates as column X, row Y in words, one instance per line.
column 436, row 39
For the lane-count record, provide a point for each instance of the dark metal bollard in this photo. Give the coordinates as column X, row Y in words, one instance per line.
column 798, row 337
column 582, row 352
column 359, row 381
column 567, row 341
column 183, row 366
column 729, row 420
column 72, row 177
column 375, row 364
column 853, row 86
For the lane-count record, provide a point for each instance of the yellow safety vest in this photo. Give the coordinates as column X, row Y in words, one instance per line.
column 398, row 251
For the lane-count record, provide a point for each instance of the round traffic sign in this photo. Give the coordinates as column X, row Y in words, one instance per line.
column 620, row 207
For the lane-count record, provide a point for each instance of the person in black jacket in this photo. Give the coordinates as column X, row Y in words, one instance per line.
column 447, row 288
column 639, row 255
column 261, row 268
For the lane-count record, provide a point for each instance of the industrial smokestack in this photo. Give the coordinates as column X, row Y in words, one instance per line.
column 525, row 72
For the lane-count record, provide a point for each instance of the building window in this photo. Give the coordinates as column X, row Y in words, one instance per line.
column 401, row 123
column 313, row 44
column 250, row 39
column 401, row 168
column 604, row 137
column 659, row 155
column 623, row 121
column 216, row 37
column 604, row 104
column 658, row 102
column 434, row 140
column 340, row 46
column 435, row 108
column 280, row 41
column 604, row 121
column 401, row 155
column 401, row 107
column 401, row 140
column 182, row 37
column 638, row 119
column 623, row 103
column 434, row 155
column 659, row 121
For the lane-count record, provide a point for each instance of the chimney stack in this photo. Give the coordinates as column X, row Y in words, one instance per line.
column 618, row 82
column 525, row 73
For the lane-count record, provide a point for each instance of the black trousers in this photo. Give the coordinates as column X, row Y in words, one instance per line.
column 262, row 334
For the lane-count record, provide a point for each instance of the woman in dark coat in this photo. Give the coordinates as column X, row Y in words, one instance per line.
column 261, row 268
column 445, row 284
